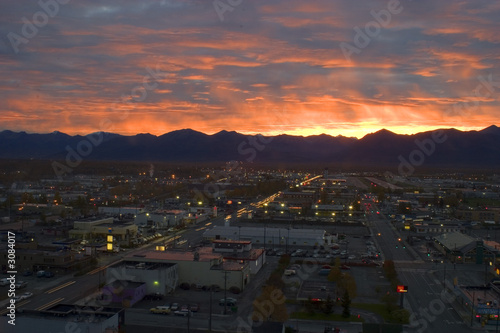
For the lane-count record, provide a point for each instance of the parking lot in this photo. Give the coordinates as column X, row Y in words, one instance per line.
column 351, row 249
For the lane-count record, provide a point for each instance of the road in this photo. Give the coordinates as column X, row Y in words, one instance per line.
column 429, row 304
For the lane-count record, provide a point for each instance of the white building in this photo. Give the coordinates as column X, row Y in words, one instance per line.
column 268, row 236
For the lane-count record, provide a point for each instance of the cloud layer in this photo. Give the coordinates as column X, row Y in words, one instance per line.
column 259, row 66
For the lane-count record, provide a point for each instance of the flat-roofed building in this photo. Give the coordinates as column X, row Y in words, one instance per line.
column 267, row 236
column 101, row 228
column 57, row 262
column 199, row 267
column 241, row 252
column 158, row 277
column 67, row 318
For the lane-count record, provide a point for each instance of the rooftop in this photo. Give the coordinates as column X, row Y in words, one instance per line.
column 205, row 254
column 73, row 313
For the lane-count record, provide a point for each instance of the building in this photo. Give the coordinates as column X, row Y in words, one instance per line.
column 123, row 232
column 240, row 252
column 161, row 219
column 157, row 277
column 490, row 214
column 200, row 267
column 459, row 247
column 123, row 293
column 67, row 318
column 119, row 210
column 58, row 262
column 269, row 236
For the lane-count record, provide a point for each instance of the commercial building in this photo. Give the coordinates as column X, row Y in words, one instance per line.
column 123, row 293
column 67, row 318
column 484, row 215
column 101, row 228
column 58, row 262
column 459, row 247
column 157, row 277
column 268, row 236
column 200, row 267
column 161, row 219
column 240, row 252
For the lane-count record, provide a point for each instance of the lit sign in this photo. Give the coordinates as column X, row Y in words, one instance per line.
column 402, row 289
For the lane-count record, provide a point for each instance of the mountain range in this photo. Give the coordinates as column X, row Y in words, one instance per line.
column 442, row 148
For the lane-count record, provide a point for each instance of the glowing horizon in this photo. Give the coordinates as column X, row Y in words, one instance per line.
column 263, row 67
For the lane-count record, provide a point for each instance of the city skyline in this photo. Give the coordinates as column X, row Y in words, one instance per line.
column 268, row 67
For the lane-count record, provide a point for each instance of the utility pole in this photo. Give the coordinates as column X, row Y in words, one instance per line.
column 472, row 307
column 210, row 314
column 225, row 292
column 444, row 275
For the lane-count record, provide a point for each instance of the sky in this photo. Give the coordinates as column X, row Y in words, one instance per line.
column 298, row 67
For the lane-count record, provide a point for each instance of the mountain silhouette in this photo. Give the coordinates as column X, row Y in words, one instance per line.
column 452, row 148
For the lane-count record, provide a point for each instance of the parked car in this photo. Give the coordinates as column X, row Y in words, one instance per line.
column 183, row 313
column 154, row 296
column 40, row 274
column 160, row 309
column 229, row 301
column 174, row 307
column 194, row 307
column 48, row 274
column 21, row 284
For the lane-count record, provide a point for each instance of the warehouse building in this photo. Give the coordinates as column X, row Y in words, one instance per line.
column 268, row 236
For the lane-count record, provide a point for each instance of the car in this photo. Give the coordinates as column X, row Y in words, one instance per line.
column 183, row 313
column 194, row 307
column 345, row 267
column 229, row 301
column 160, row 309
column 27, row 273
column 48, row 274
column 21, row 284
column 26, row 295
column 154, row 296
column 184, row 307
column 174, row 307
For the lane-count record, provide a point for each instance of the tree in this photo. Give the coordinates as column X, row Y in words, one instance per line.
column 346, row 305
column 348, row 284
column 390, row 301
column 328, row 305
column 335, row 274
